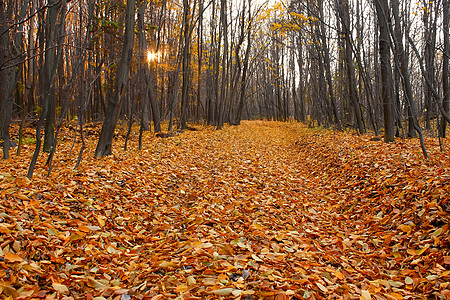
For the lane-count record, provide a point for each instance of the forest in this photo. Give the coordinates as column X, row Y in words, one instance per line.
column 241, row 149
column 378, row 66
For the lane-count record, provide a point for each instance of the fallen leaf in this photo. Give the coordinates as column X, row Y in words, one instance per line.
column 60, row 288
column 365, row 295
column 223, row 292
column 12, row 257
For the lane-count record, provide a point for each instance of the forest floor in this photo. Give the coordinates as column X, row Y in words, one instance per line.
column 265, row 210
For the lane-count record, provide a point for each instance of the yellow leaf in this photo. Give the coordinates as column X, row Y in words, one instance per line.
column 101, row 221
column 75, row 237
column 405, row 228
column 21, row 196
column 437, row 233
column 52, row 231
column 421, row 251
column 167, row 264
column 396, row 295
column 83, row 228
column 411, row 252
column 182, row 288
column 4, row 229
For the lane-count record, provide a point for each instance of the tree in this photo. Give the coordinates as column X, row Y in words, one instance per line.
column 186, row 57
column 6, row 75
column 104, row 145
column 350, row 72
column 387, row 95
column 429, row 56
column 402, row 58
column 445, row 59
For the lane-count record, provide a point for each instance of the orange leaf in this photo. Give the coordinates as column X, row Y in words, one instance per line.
column 339, row 275
column 13, row 257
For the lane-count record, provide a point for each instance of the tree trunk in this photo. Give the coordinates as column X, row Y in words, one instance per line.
column 153, row 102
column 386, row 70
column 345, row 17
column 245, row 70
column 224, row 81
column 142, row 67
column 327, row 65
column 185, row 63
column 200, row 55
column 404, row 71
column 50, row 66
column 6, row 75
column 445, row 74
column 104, row 144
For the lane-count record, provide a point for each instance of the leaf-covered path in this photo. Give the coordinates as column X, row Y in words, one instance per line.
column 264, row 210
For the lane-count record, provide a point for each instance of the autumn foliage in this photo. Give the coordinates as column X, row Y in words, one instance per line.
column 265, row 210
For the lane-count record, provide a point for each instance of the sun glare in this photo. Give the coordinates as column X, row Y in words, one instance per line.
column 152, row 56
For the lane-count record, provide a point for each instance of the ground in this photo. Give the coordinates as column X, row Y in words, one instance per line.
column 265, row 210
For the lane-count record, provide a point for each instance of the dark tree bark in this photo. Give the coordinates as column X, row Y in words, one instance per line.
column 200, row 55
column 386, row 70
column 153, row 101
column 186, row 55
column 104, row 144
column 445, row 59
column 6, row 76
column 50, row 66
column 142, row 69
column 224, row 81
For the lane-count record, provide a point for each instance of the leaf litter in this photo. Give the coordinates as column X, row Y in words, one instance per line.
column 265, row 210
